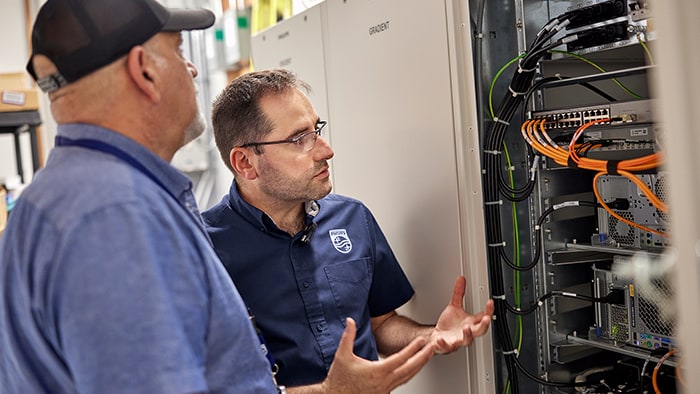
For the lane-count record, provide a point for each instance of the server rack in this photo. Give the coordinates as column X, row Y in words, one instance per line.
column 575, row 253
column 576, row 197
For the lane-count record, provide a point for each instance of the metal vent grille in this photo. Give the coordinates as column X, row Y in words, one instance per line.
column 661, row 190
column 620, row 231
column 619, row 323
column 655, row 306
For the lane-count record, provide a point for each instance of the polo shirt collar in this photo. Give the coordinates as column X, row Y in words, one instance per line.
column 260, row 218
column 174, row 181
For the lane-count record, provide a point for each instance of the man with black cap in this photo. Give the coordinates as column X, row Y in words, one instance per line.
column 108, row 280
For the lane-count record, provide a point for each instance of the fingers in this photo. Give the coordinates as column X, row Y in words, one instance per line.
column 469, row 335
column 443, row 346
column 409, row 361
column 402, row 356
column 458, row 291
column 351, row 374
column 347, row 340
column 489, row 308
column 481, row 325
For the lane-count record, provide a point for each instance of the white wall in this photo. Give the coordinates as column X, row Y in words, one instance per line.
column 13, row 41
column 13, row 38
column 299, row 6
column 402, row 116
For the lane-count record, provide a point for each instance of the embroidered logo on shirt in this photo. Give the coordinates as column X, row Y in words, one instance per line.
column 340, row 240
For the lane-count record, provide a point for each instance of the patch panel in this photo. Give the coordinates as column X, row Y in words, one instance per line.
column 631, row 112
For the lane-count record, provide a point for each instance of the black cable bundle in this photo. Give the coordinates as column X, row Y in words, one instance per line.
column 495, row 186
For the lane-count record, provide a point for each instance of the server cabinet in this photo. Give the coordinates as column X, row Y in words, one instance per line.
column 519, row 142
column 576, row 197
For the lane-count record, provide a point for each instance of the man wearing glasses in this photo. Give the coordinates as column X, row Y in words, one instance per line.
column 311, row 265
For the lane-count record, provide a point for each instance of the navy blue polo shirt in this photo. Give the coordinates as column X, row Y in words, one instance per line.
column 301, row 293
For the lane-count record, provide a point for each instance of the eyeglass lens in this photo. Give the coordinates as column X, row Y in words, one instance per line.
column 308, row 141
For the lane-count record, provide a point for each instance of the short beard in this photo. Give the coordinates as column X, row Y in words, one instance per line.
column 195, row 128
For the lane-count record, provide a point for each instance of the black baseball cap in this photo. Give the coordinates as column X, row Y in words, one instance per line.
column 81, row 36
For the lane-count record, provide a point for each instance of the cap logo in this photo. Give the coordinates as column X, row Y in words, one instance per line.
column 341, row 241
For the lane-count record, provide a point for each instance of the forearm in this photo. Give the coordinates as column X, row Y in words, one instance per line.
column 397, row 331
column 318, row 388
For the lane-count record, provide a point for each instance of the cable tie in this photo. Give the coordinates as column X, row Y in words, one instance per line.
column 514, row 93
column 497, row 245
column 499, row 120
column 570, row 38
column 533, row 168
column 514, row 351
column 479, row 35
column 611, row 167
column 499, row 202
column 550, row 25
column 565, row 204
column 539, row 303
column 537, row 227
column 493, row 152
column 499, row 297
column 511, row 168
column 522, row 70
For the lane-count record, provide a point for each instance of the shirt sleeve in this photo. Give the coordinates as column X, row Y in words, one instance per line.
column 129, row 304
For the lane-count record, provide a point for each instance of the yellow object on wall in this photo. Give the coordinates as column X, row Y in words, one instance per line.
column 266, row 13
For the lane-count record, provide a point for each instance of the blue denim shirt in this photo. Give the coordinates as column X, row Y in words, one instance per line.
column 109, row 283
column 300, row 292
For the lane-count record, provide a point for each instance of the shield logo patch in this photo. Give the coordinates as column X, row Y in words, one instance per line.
column 341, row 241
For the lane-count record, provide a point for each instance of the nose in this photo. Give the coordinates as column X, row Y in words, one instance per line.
column 323, row 148
column 193, row 69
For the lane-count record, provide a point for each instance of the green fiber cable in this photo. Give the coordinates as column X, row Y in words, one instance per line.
column 495, row 78
column 646, row 48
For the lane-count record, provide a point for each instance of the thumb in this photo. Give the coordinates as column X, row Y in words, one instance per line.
column 458, row 292
column 347, row 340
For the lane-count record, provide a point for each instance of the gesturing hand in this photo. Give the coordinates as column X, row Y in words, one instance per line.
column 455, row 326
column 352, row 374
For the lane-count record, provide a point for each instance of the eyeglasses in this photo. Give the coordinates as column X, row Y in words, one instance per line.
column 305, row 142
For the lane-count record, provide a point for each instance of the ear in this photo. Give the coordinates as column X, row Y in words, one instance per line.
column 143, row 72
column 240, row 159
